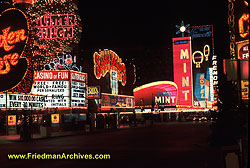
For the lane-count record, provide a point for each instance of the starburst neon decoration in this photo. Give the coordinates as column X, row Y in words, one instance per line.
column 182, row 28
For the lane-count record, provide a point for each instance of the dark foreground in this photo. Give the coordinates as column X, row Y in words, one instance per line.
column 170, row 145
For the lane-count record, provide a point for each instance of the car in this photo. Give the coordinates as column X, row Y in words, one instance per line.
column 192, row 117
column 203, row 118
column 196, row 118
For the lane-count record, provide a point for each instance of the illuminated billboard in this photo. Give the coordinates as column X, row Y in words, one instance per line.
column 162, row 93
column 241, row 18
column 107, row 61
column 200, row 87
column 57, row 28
column 14, row 61
column 203, row 58
column 55, row 118
column 63, row 89
column 93, row 92
column 116, row 101
column 243, row 50
column 183, row 70
column 11, row 120
column 78, row 89
column 21, row 101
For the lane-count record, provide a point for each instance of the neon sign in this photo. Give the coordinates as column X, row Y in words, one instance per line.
column 53, row 26
column 198, row 56
column 238, row 15
column 106, row 61
column 6, row 40
column 244, row 18
column 183, row 70
column 14, row 64
column 243, row 50
column 57, row 28
column 162, row 93
column 215, row 70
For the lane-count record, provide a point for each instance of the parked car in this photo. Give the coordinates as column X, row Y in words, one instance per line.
column 192, row 117
column 196, row 117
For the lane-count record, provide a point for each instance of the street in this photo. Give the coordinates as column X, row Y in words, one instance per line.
column 172, row 145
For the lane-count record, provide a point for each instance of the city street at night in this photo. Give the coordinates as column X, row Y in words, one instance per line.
column 124, row 84
column 173, row 145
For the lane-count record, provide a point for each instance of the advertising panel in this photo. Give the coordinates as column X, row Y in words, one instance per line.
column 243, row 50
column 94, row 92
column 57, row 27
column 55, row 85
column 116, row 101
column 162, row 93
column 241, row 18
column 114, row 82
column 55, row 118
column 245, row 89
column 215, row 71
column 78, row 89
column 107, row 61
column 63, row 89
column 203, row 54
column 21, row 101
column 200, row 88
column 211, row 84
column 14, row 63
column 11, row 120
column 183, row 70
column 3, row 100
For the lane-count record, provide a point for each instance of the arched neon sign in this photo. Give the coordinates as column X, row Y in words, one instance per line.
column 108, row 60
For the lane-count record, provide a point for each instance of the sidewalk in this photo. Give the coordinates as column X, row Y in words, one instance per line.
column 16, row 138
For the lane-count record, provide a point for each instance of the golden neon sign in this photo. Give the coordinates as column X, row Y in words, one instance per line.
column 243, row 18
column 108, row 60
column 199, row 55
column 7, row 39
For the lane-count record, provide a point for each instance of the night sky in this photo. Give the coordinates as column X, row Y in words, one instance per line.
column 130, row 25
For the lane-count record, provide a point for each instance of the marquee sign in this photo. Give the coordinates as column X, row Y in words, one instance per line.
column 63, row 89
column 13, row 38
column 108, row 60
column 183, row 70
column 21, row 101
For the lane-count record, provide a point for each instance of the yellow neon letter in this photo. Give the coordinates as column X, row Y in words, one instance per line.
column 184, row 54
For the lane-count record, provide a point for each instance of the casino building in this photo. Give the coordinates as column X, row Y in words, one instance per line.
column 41, row 86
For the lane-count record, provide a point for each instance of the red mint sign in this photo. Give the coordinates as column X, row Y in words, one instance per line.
column 108, row 60
column 13, row 38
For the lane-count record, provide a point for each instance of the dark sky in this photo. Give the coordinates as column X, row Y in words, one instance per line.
column 130, row 25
